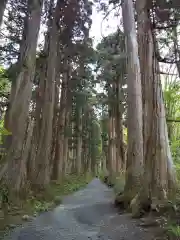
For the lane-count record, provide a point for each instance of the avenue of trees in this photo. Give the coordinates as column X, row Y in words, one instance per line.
column 67, row 107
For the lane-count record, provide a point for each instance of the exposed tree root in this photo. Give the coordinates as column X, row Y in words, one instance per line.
column 138, row 205
column 122, row 201
column 142, row 204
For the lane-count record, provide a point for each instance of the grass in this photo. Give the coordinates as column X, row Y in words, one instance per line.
column 43, row 201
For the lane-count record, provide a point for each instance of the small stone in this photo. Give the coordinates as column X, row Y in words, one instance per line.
column 26, row 217
column 12, row 226
column 15, row 207
column 149, row 223
column 151, row 220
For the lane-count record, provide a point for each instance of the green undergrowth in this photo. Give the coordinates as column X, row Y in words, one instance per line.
column 172, row 228
column 40, row 201
column 173, row 232
column 173, row 225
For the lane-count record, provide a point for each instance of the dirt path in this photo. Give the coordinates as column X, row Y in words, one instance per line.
column 86, row 215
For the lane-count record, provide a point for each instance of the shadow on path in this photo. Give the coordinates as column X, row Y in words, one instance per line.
column 85, row 215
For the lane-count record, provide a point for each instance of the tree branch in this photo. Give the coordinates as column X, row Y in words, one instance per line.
column 173, row 120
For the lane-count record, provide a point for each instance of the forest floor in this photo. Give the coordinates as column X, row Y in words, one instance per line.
column 87, row 214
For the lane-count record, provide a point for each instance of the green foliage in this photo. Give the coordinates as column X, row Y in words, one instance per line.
column 171, row 91
column 174, row 230
column 40, row 206
column 3, row 132
column 111, row 59
column 4, row 91
column 4, row 82
column 177, row 164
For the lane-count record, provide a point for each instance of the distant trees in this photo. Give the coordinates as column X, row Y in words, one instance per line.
column 112, row 72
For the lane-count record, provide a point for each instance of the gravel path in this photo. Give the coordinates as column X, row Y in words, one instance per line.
column 86, row 215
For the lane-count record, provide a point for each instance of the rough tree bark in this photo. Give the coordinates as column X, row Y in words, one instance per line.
column 159, row 171
column 65, row 155
column 18, row 113
column 37, row 121
column 68, row 107
column 41, row 67
column 134, row 169
column 112, row 143
column 86, row 138
column 55, row 120
column 2, row 9
column 79, row 140
column 45, row 140
column 120, row 157
column 112, row 151
column 58, row 160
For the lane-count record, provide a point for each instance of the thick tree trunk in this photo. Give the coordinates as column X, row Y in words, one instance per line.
column 45, row 140
column 40, row 92
column 158, row 161
column 112, row 146
column 104, row 123
column 135, row 138
column 66, row 143
column 85, row 147
column 79, row 140
column 2, row 9
column 67, row 121
column 120, row 158
column 27, row 147
column 36, row 128
column 55, row 123
column 72, row 150
column 154, row 109
column 18, row 113
column 58, row 160
column 112, row 151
